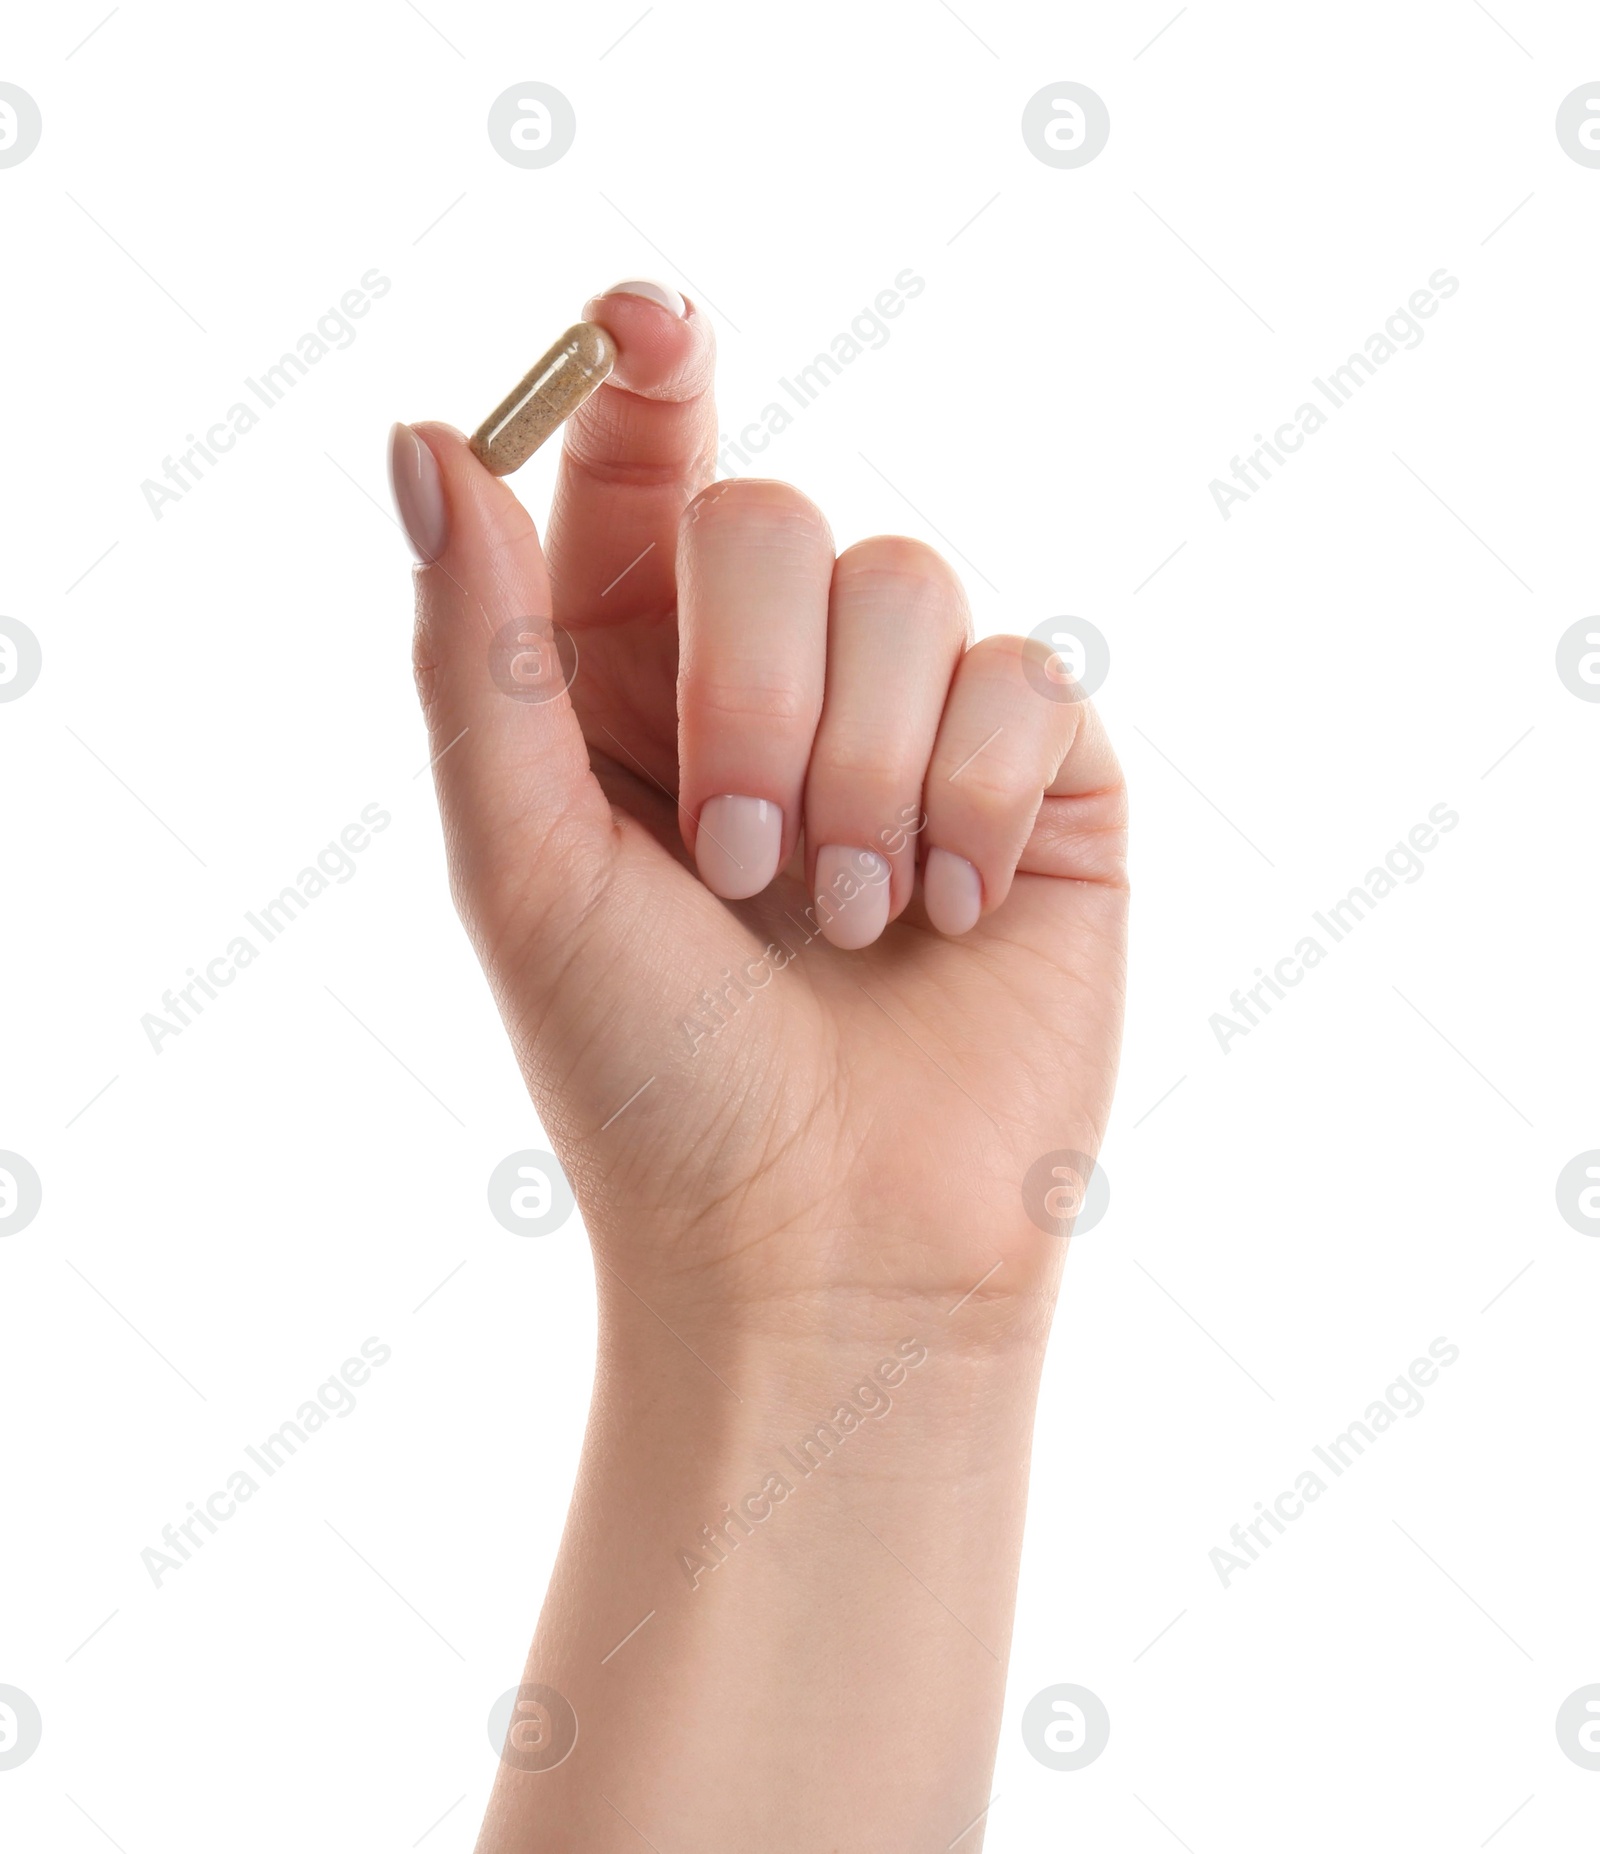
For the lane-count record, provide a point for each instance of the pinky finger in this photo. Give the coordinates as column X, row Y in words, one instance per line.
column 1081, row 831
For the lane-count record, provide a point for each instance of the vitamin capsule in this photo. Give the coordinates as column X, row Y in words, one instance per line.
column 550, row 391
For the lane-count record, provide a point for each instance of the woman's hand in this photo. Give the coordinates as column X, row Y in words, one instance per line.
column 806, row 917
column 807, row 1089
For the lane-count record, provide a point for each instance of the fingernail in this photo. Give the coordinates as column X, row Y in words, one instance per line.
column 738, row 845
column 669, row 299
column 418, row 492
column 952, row 892
column 852, row 896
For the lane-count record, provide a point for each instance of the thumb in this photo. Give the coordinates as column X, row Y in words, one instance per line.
column 527, row 827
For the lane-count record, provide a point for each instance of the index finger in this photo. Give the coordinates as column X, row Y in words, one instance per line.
column 633, row 456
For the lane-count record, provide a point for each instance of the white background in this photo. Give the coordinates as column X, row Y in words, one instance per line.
column 228, row 686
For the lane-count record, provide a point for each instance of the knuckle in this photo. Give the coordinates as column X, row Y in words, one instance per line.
column 994, row 775
column 758, row 509
column 855, row 764
column 897, row 556
column 1000, row 659
column 906, row 576
column 1085, row 837
column 758, row 696
column 993, row 787
column 612, row 440
column 508, row 528
column 425, row 666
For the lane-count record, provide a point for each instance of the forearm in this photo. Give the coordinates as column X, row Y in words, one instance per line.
column 824, row 1539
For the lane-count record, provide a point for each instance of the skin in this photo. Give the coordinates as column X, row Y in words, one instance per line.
column 823, row 1174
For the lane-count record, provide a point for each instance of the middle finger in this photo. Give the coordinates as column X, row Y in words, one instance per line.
column 754, row 563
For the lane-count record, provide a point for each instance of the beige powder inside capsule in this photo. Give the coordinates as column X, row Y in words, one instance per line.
column 550, row 391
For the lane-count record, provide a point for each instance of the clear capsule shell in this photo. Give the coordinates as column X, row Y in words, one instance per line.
column 550, row 391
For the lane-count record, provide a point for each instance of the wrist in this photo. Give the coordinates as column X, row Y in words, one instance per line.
column 845, row 1389
column 766, row 1304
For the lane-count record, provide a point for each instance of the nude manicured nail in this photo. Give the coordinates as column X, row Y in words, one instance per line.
column 952, row 892
column 652, row 292
column 418, row 492
column 738, row 845
column 852, row 896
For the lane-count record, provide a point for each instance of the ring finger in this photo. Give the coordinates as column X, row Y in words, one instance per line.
column 897, row 624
